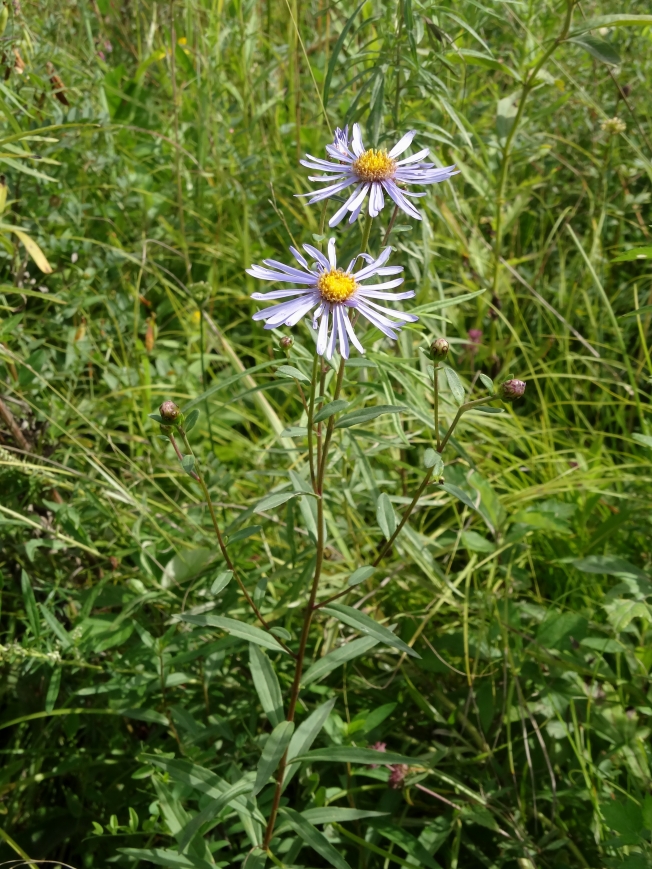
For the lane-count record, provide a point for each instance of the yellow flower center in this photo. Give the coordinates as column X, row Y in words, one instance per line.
column 336, row 285
column 374, row 165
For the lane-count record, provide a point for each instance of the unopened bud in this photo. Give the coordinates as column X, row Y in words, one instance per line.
column 439, row 349
column 510, row 390
column 166, row 429
column 169, row 412
column 287, row 341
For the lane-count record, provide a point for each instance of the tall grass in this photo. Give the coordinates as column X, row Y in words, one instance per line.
column 174, row 148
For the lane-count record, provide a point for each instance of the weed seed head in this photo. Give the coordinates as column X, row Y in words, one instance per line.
column 613, row 126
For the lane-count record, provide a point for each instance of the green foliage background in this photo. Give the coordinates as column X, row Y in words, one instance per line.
column 167, row 166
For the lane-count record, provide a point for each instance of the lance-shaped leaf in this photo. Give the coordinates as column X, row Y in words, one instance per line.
column 211, row 811
column 266, row 684
column 362, row 622
column 305, row 735
column 339, row 815
column 386, row 516
column 330, row 409
column 316, row 840
column 365, row 414
column 165, row 857
column 274, row 749
column 236, row 629
column 336, row 658
column 351, row 754
column 455, row 385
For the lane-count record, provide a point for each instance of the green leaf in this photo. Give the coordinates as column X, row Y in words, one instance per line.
column 266, row 685
column 244, row 533
column 487, row 381
column 191, row 420
column 365, row 414
column 290, row 371
column 274, row 749
column 151, row 716
column 221, row 581
column 200, row 779
column 633, row 254
column 644, row 309
column 367, row 625
column 156, row 417
column 305, row 735
column 617, row 20
column 53, row 689
column 314, row 839
column 621, row 611
column 602, row 644
column 646, row 440
column 455, row 384
column 275, row 500
column 188, row 464
column 164, row 857
column 460, row 494
column 211, row 811
column 483, row 408
column 330, row 409
column 255, row 859
column 360, row 575
column 624, row 818
column 30, row 604
column 611, row 565
column 432, row 459
column 323, row 666
column 351, row 754
column 385, row 516
column 647, row 812
column 60, row 632
column 294, row 431
column 598, row 48
column 338, row 815
column 409, row 843
column 237, row 629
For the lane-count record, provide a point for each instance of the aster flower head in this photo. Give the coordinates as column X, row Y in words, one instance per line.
column 373, row 173
column 331, row 293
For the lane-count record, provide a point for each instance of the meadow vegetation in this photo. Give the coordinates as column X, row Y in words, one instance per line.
column 151, row 155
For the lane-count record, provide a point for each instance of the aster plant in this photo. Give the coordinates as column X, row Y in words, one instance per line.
column 341, row 304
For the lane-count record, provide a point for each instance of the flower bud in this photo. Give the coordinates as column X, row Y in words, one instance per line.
column 439, row 349
column 169, row 412
column 166, row 429
column 510, row 390
column 287, row 341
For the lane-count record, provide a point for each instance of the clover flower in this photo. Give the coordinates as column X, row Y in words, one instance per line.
column 374, row 172
column 332, row 292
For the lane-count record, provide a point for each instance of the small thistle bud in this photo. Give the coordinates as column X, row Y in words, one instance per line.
column 439, row 349
column 169, row 412
column 510, row 390
column 287, row 341
column 166, row 429
column 613, row 126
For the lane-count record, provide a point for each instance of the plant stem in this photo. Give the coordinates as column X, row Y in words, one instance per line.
column 406, row 516
column 436, row 393
column 227, row 558
column 365, row 233
column 310, row 607
column 311, row 413
column 390, row 226
column 462, row 410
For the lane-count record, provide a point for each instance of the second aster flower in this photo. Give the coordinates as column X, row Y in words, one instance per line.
column 333, row 292
column 374, row 173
